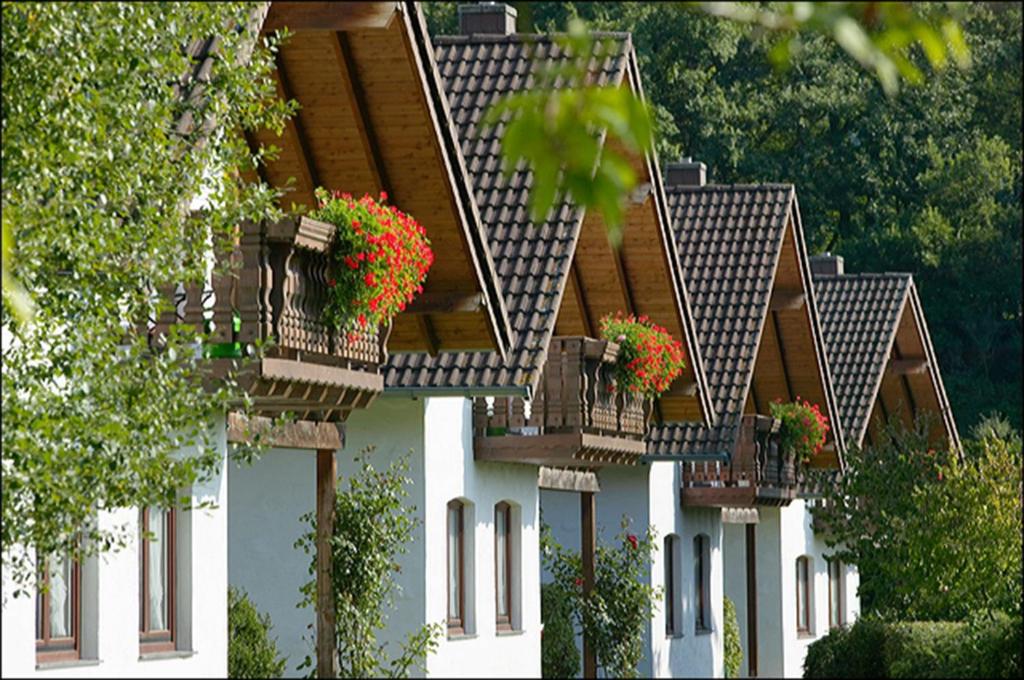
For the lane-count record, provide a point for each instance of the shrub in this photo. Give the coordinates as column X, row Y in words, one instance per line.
column 251, row 652
column 379, row 259
column 803, row 427
column 650, row 357
column 848, row 652
column 988, row 646
column 559, row 656
column 921, row 649
column 733, row 648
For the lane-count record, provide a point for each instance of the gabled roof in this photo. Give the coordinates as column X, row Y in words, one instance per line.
column 373, row 118
column 537, row 264
column 880, row 352
column 745, row 267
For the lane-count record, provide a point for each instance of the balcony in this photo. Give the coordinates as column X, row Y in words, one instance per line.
column 275, row 294
column 575, row 418
column 758, row 472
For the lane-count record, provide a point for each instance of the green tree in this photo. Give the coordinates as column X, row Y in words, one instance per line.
column 109, row 133
column 934, row 537
column 251, row 652
column 373, row 525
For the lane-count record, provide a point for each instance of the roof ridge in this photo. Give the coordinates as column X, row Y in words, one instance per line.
column 865, row 275
column 456, row 39
column 730, row 187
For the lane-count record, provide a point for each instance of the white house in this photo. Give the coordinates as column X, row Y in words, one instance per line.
column 745, row 264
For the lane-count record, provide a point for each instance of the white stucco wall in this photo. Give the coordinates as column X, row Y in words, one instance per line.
column 110, row 601
column 649, row 496
column 783, row 535
column 268, row 498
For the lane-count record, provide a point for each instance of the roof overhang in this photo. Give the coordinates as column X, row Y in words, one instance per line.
column 373, row 118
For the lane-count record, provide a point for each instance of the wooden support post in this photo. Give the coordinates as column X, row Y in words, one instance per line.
column 751, row 601
column 326, row 469
column 588, row 533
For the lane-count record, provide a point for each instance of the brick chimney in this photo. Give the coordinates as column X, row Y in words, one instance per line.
column 492, row 18
column 685, row 173
column 827, row 264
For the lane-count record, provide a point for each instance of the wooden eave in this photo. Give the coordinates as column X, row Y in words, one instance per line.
column 373, row 118
column 910, row 383
column 791, row 360
column 643, row 276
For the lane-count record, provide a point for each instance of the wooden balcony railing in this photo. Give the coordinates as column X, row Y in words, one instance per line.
column 275, row 294
column 575, row 418
column 757, row 473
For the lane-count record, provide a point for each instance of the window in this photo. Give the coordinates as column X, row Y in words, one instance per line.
column 702, row 583
column 456, row 569
column 58, row 609
column 503, row 565
column 671, row 586
column 803, row 593
column 156, row 581
column 835, row 594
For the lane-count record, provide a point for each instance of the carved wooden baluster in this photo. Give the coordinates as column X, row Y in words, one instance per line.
column 553, row 382
column 517, row 417
column 254, row 280
column 500, row 418
column 537, row 409
column 572, row 361
column 479, row 416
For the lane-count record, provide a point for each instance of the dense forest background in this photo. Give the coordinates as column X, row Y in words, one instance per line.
column 927, row 182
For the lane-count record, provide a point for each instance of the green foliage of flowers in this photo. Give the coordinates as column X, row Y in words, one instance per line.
column 650, row 357
column 372, row 526
column 617, row 611
column 934, row 537
column 251, row 652
column 99, row 174
column 380, row 259
column 559, row 656
column 803, row 427
column 731, row 640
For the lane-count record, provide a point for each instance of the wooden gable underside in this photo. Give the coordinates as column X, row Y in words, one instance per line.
column 369, row 122
column 789, row 363
column 910, row 383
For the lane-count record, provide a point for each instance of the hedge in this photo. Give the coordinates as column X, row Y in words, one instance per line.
column 986, row 647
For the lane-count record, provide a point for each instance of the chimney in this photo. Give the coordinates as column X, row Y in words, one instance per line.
column 827, row 265
column 493, row 18
column 685, row 173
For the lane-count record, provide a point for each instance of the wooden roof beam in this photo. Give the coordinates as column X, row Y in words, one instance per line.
column 581, row 300
column 783, row 299
column 295, row 127
column 329, row 16
column 908, row 366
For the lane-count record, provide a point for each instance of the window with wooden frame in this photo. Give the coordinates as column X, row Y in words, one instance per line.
column 156, row 581
column 702, row 583
column 803, row 595
column 671, row 587
column 835, row 594
column 503, row 565
column 456, row 569
column 59, row 609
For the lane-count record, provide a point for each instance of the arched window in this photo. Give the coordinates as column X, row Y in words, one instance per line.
column 456, row 569
column 702, row 583
column 503, row 565
column 836, row 600
column 672, row 622
column 157, row 613
column 803, row 595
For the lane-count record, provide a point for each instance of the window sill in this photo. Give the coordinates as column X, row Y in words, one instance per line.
column 75, row 663
column 805, row 635
column 157, row 656
column 461, row 636
column 704, row 631
column 673, row 636
column 509, row 632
